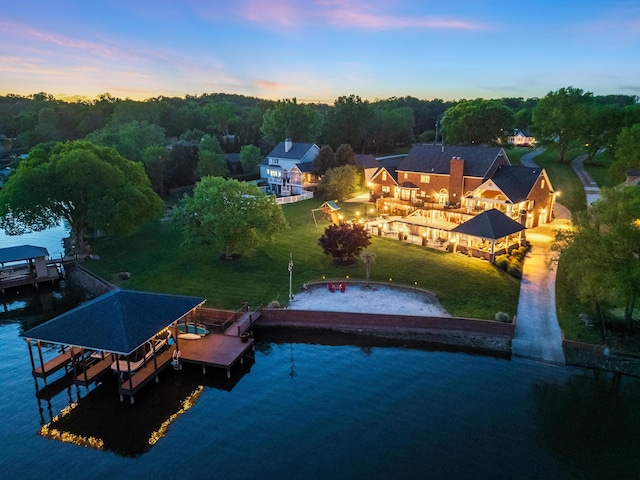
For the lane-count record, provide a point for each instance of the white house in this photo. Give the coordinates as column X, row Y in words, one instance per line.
column 287, row 168
column 520, row 138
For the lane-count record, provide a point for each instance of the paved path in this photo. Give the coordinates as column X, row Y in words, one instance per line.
column 538, row 334
column 590, row 186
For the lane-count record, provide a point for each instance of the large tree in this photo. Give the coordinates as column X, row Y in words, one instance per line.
column 289, row 119
column 129, row 138
column 233, row 217
column 601, row 252
column 346, row 121
column 478, row 122
column 561, row 118
column 250, row 158
column 85, row 185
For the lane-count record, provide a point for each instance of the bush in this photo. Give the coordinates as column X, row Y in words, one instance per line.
column 515, row 270
column 502, row 317
column 502, row 262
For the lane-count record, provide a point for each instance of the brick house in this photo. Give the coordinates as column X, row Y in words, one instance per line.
column 453, row 184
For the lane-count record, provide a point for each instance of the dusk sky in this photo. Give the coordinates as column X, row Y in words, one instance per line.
column 318, row 50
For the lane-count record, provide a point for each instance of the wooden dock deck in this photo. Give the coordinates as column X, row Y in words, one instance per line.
column 64, row 360
column 147, row 373
column 93, row 372
column 215, row 350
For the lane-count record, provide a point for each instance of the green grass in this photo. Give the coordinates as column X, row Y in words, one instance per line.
column 599, row 170
column 157, row 260
column 564, row 180
column 516, row 153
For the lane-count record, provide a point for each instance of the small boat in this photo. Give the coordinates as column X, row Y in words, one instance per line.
column 193, row 328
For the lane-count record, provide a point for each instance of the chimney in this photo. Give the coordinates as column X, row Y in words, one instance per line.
column 287, row 144
column 456, row 179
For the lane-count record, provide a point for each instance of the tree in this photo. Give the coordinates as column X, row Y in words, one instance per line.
column 367, row 258
column 560, row 118
column 155, row 159
column 325, row 159
column 233, row 217
column 627, row 152
column 211, row 159
column 601, row 251
column 250, row 158
column 478, row 122
column 129, row 138
column 345, row 155
column 222, row 116
column 346, row 121
column 288, row 119
column 88, row 186
column 344, row 242
column 340, row 182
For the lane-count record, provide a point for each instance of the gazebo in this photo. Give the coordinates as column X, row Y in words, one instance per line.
column 491, row 226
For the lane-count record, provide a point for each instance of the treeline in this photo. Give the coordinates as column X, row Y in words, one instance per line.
column 166, row 133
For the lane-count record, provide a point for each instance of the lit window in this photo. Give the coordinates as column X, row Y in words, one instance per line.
column 384, row 176
column 425, row 178
column 542, row 184
column 406, row 175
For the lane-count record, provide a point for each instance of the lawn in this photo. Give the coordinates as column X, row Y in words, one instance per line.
column 158, row 261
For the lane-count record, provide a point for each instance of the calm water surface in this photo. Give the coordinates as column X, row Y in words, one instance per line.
column 323, row 406
column 305, row 410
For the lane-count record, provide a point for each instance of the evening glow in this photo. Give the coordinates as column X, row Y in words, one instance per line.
column 318, row 50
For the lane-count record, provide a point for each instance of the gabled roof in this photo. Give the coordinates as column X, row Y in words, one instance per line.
column 390, row 171
column 306, row 167
column 366, row 161
column 516, row 182
column 491, row 225
column 296, row 152
column 436, row 159
column 22, row 252
column 119, row 321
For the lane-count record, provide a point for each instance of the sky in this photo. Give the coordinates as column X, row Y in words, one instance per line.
column 318, row 50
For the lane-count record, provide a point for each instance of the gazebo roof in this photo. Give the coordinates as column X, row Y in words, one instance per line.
column 21, row 252
column 119, row 321
column 491, row 225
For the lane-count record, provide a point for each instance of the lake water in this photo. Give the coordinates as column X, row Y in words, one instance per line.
column 314, row 405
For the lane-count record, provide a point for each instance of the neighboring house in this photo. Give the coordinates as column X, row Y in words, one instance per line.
column 521, row 138
column 287, row 168
column 454, row 184
column 368, row 164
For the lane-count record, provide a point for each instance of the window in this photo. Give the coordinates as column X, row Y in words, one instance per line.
column 386, row 189
column 384, row 176
column 406, row 175
column 542, row 185
column 425, row 178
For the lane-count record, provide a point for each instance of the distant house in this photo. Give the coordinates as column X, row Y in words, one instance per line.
column 521, row 138
column 287, row 168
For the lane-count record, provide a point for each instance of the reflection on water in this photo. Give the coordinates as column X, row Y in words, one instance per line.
column 99, row 420
column 51, row 239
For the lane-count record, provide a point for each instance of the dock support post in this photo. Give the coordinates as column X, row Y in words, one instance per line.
column 228, row 372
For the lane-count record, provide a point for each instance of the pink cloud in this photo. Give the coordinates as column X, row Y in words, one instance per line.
column 343, row 14
column 269, row 85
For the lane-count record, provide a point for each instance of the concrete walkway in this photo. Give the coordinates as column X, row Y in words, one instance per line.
column 538, row 335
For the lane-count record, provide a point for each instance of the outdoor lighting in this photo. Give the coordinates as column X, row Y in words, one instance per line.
column 323, row 277
column 390, row 279
column 347, row 277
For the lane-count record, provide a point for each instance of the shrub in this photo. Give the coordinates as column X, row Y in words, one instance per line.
column 502, row 262
column 502, row 317
column 515, row 270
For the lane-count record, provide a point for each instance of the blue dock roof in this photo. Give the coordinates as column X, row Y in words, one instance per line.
column 119, row 321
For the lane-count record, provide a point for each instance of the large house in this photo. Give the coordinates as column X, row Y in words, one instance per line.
column 461, row 182
column 287, row 168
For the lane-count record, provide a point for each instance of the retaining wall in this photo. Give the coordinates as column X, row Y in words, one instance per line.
column 80, row 277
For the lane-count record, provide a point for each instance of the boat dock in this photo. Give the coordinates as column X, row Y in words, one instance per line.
column 226, row 344
column 27, row 265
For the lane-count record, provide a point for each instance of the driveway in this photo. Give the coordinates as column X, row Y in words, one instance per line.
column 590, row 186
column 538, row 335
